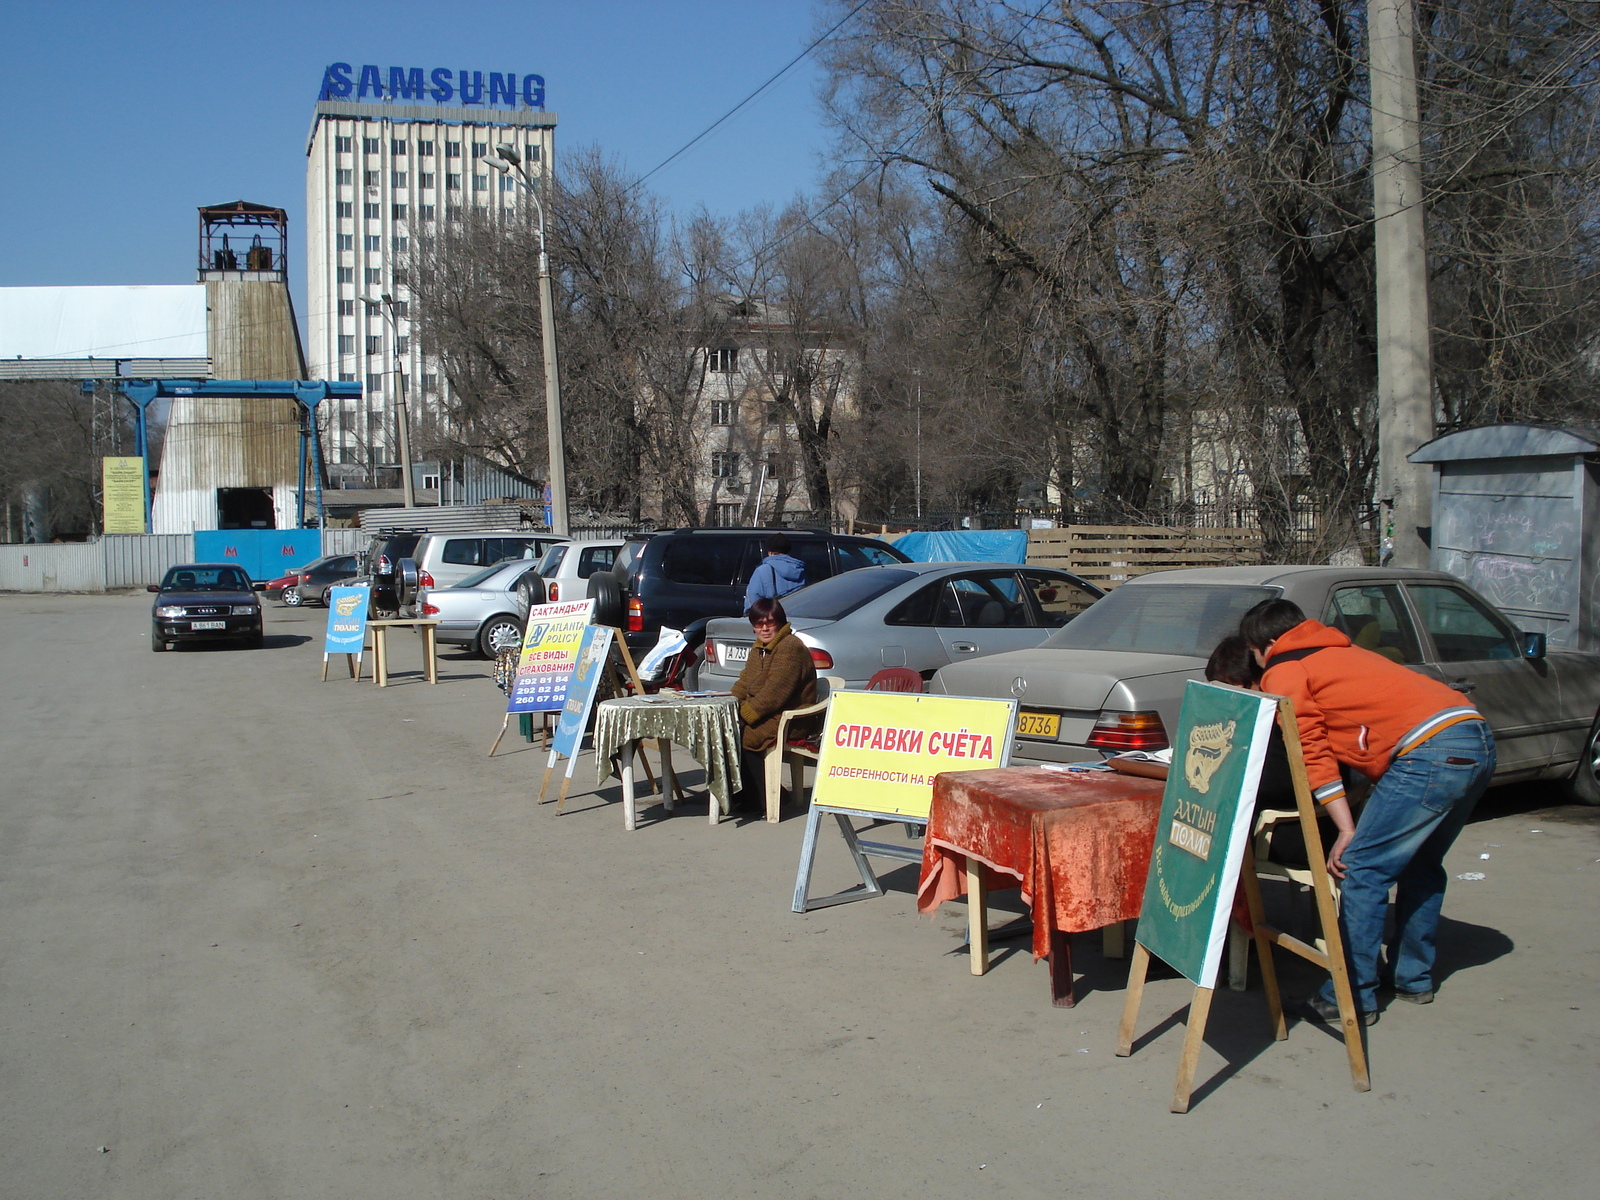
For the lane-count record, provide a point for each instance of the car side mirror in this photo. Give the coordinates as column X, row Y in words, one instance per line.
column 258, row 587
column 1533, row 645
column 152, row 587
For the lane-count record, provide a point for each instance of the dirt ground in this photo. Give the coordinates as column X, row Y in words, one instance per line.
column 270, row 937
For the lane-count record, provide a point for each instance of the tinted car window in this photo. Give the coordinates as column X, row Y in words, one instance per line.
column 855, row 554
column 1462, row 629
column 1056, row 598
column 592, row 559
column 711, row 561
column 992, row 600
column 1374, row 619
column 206, row 579
column 814, row 553
column 494, row 549
column 833, row 598
column 1159, row 619
column 463, row 552
column 918, row 608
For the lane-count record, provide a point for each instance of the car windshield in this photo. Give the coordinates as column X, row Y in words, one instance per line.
column 481, row 577
column 1162, row 619
column 205, row 579
column 830, row 599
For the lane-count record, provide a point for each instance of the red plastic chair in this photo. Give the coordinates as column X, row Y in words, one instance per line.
column 895, row 679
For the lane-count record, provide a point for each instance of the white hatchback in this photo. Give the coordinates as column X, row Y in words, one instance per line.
column 565, row 568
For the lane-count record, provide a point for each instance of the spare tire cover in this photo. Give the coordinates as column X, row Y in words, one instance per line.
column 606, row 593
column 406, row 580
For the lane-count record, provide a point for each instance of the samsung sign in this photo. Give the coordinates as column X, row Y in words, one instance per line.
column 341, row 82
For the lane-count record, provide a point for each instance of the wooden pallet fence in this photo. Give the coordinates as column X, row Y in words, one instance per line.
column 1111, row 554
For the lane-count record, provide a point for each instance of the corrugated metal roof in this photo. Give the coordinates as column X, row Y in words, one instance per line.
column 137, row 321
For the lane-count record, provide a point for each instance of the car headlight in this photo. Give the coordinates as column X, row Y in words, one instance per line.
column 169, row 610
column 244, row 610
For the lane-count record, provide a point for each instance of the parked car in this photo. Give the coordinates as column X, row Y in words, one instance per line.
column 441, row 559
column 279, row 586
column 205, row 602
column 312, row 581
column 380, row 564
column 678, row 578
column 486, row 610
column 918, row 615
column 1113, row 679
column 565, row 568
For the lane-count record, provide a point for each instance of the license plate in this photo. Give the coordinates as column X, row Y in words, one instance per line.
column 734, row 654
column 208, row 624
column 1039, row 725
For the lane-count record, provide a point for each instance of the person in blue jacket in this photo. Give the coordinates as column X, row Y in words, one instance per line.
column 779, row 573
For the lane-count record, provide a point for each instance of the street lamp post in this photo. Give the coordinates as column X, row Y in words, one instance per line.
column 510, row 162
column 402, row 413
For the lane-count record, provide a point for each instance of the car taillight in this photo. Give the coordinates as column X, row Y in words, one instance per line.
column 821, row 657
column 425, row 580
column 635, row 615
column 555, row 591
column 711, row 651
column 1119, row 731
column 429, row 610
column 303, row 579
column 385, row 567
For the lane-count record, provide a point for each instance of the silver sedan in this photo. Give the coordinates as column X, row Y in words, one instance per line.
column 917, row 615
column 1113, row 680
column 486, row 611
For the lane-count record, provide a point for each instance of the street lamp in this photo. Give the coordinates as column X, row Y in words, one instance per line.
column 402, row 414
column 510, row 163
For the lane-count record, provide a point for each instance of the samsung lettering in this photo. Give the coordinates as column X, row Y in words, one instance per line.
column 341, row 81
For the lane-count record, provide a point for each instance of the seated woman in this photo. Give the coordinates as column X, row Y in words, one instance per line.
column 778, row 676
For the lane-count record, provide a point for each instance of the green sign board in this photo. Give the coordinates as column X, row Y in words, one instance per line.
column 1205, row 818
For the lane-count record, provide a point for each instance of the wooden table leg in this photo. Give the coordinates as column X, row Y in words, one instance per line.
column 1061, row 969
column 430, row 649
column 977, row 917
column 380, row 655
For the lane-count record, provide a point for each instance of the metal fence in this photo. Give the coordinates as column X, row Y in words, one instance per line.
column 122, row 561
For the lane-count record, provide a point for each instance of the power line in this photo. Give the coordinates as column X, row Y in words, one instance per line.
column 783, row 70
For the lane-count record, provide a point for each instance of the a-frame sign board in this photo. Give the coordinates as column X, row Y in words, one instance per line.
column 1202, row 855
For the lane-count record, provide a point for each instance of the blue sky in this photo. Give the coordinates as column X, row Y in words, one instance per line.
column 123, row 118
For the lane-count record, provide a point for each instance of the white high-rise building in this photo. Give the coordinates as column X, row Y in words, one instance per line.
column 381, row 175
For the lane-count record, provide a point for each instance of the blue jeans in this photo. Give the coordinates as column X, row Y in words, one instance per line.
column 1412, row 817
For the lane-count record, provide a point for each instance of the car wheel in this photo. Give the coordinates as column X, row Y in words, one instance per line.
column 606, row 593
column 1584, row 783
column 157, row 644
column 498, row 634
column 291, row 597
column 256, row 640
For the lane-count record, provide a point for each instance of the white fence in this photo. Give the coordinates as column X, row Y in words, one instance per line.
column 124, row 561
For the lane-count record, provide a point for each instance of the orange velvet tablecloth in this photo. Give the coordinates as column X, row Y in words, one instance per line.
column 1078, row 843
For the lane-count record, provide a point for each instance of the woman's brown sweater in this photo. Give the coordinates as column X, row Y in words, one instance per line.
column 779, row 676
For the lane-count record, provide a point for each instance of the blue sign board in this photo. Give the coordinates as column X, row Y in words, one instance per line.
column 508, row 89
column 582, row 690
column 347, row 620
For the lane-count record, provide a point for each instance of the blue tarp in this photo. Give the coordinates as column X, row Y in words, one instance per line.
column 966, row 545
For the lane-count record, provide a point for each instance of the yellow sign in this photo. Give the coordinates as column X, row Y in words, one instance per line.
column 881, row 750
column 122, row 486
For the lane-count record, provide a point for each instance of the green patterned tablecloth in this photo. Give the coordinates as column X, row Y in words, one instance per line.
column 707, row 728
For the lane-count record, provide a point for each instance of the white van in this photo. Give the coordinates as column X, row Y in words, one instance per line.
column 444, row 559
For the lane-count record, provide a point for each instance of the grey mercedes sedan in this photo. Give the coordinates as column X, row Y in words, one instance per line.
column 1113, row 679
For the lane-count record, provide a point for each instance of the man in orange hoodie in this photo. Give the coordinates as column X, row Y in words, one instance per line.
column 1431, row 755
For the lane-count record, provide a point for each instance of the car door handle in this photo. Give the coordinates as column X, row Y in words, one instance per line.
column 1463, row 685
column 964, row 647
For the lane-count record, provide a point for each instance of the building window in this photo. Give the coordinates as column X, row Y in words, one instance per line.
column 402, row 309
column 397, row 145
column 374, row 309
column 725, row 515
column 347, row 343
column 425, row 149
column 343, row 208
column 724, row 465
column 373, row 242
column 374, row 274
column 724, row 359
column 346, row 274
column 425, row 179
column 480, row 149
column 507, row 184
column 369, row 145
column 452, row 149
column 482, row 210
column 341, row 145
column 722, row 412
column 372, row 212
column 452, row 212
column 347, row 308
column 399, row 212
column 374, row 384
column 369, row 178
column 480, row 183
column 397, row 179
column 346, row 377
column 402, row 343
column 374, row 343
column 399, row 244
column 452, row 183
column 430, row 483
column 430, row 383
column 534, row 150
column 343, row 176
column 346, row 241
column 425, row 211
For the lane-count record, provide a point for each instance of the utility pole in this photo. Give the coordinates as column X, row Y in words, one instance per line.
column 402, row 411
column 1405, row 355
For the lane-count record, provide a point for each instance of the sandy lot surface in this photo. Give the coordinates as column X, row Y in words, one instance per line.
column 267, row 937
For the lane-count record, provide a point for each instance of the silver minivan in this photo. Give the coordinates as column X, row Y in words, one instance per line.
column 442, row 560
